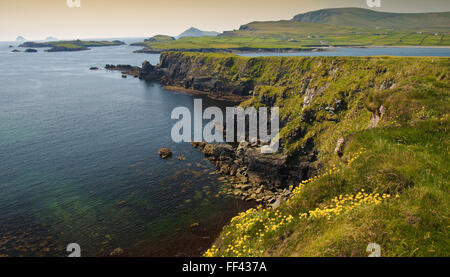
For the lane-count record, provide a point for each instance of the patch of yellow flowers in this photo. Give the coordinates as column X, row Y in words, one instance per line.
column 346, row 203
column 265, row 220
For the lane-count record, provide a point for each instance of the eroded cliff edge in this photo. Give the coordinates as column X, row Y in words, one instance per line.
column 323, row 101
column 372, row 132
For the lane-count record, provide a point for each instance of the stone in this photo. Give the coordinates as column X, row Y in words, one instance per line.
column 165, row 153
column 339, row 147
column 245, row 187
column 276, row 204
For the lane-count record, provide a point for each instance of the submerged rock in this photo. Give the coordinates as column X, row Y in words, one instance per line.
column 165, row 153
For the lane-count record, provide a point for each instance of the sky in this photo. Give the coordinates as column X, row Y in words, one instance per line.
column 38, row 19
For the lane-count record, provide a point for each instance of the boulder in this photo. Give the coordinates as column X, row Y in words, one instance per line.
column 339, row 150
column 277, row 203
column 165, row 153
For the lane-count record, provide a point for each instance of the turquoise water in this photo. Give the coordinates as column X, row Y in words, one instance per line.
column 79, row 162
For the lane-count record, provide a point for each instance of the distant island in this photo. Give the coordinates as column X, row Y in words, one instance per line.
column 194, row 32
column 160, row 38
column 70, row 46
column 344, row 27
column 20, row 38
column 51, row 38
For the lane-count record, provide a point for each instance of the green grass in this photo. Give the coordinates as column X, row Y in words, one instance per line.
column 415, row 224
column 406, row 152
column 72, row 44
column 82, row 43
column 300, row 35
column 356, row 17
column 195, row 43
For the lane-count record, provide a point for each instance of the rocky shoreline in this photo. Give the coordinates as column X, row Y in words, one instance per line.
column 253, row 176
column 250, row 174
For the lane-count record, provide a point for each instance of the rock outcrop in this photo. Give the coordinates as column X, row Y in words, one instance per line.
column 165, row 153
column 317, row 97
column 254, row 175
column 125, row 69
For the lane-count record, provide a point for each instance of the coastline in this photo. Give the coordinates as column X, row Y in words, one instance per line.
column 242, row 50
column 389, row 46
column 311, row 48
column 224, row 96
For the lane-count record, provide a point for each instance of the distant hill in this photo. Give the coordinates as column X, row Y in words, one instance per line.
column 364, row 18
column 159, row 38
column 20, row 38
column 51, row 38
column 194, row 32
column 285, row 29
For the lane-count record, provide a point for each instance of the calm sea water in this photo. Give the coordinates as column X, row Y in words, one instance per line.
column 359, row 52
column 79, row 162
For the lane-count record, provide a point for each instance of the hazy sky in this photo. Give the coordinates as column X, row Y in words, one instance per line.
column 37, row 19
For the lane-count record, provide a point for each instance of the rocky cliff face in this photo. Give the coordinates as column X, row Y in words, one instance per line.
column 186, row 71
column 323, row 101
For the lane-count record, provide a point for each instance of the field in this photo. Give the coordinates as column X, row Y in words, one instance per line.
column 301, row 35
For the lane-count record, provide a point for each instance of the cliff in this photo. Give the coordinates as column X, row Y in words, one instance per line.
column 363, row 158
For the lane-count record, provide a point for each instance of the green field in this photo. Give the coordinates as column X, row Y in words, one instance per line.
column 357, row 17
column 331, row 27
column 298, row 35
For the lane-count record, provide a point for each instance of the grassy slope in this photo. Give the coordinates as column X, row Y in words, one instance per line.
column 289, row 34
column 155, row 39
column 315, row 34
column 405, row 161
column 220, row 42
column 356, row 17
column 349, row 26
